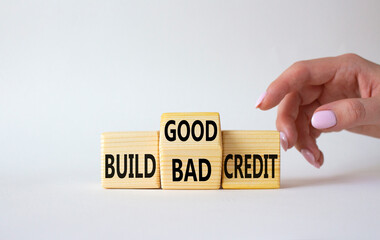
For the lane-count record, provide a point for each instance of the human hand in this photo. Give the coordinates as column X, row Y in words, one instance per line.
column 324, row 95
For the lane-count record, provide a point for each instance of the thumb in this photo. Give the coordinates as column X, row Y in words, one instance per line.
column 346, row 113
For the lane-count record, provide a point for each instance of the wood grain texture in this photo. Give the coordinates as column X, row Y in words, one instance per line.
column 240, row 148
column 123, row 146
column 190, row 149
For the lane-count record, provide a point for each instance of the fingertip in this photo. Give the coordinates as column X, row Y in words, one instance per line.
column 284, row 141
column 310, row 152
column 288, row 135
column 309, row 156
column 314, row 159
column 260, row 100
column 321, row 159
column 266, row 100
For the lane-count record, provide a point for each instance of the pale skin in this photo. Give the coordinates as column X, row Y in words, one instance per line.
column 324, row 95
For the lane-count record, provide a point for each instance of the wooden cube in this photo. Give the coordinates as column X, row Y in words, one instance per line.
column 190, row 151
column 130, row 160
column 251, row 159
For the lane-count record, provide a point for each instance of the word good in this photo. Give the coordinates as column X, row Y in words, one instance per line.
column 184, row 124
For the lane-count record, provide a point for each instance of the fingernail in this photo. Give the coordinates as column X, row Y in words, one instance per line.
column 323, row 119
column 284, row 141
column 309, row 157
column 260, row 99
column 321, row 160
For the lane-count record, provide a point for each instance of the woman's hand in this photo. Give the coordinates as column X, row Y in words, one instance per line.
column 324, row 95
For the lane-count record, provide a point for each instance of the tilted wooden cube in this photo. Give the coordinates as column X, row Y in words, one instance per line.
column 130, row 160
column 190, row 151
column 251, row 159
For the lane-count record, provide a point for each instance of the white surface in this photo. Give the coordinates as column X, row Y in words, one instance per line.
column 73, row 69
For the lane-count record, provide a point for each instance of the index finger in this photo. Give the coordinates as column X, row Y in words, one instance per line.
column 299, row 75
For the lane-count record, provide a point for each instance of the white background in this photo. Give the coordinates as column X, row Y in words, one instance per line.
column 70, row 70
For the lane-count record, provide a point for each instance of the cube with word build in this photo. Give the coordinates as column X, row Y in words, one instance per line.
column 130, row 160
column 251, row 159
column 190, row 151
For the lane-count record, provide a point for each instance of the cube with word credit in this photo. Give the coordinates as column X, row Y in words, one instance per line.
column 190, row 151
column 130, row 160
column 251, row 159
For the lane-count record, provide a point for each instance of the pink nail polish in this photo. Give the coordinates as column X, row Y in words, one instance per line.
column 309, row 157
column 284, row 141
column 323, row 119
column 321, row 160
column 260, row 99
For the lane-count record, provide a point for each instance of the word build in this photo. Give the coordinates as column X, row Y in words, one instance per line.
column 130, row 160
column 251, row 159
column 190, row 151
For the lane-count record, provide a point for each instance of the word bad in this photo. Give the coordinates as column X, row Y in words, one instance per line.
column 178, row 174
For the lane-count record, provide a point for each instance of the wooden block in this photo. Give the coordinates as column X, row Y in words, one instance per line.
column 130, row 160
column 190, row 151
column 251, row 159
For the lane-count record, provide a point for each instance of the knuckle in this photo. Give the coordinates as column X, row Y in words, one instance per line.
column 356, row 110
column 281, row 121
column 300, row 68
column 278, row 124
column 351, row 57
